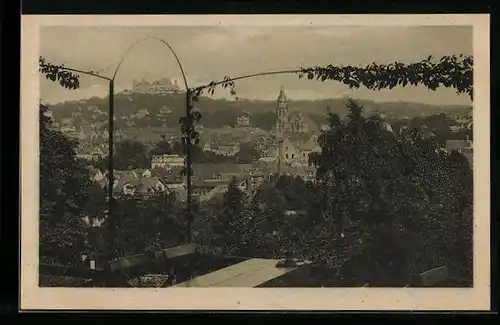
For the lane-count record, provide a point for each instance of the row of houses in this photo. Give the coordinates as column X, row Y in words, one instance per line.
column 91, row 152
column 206, row 178
column 295, row 150
column 227, row 149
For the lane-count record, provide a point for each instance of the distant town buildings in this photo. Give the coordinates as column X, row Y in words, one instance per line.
column 139, row 181
column 94, row 154
column 222, row 147
column 226, row 149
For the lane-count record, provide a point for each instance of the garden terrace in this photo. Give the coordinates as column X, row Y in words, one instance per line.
column 188, row 266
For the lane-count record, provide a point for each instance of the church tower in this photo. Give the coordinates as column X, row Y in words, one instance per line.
column 282, row 122
column 282, row 125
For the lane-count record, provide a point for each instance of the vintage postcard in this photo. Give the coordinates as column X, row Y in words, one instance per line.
column 258, row 162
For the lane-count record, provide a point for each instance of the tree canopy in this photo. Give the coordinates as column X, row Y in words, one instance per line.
column 65, row 189
column 128, row 154
column 162, row 148
column 247, row 154
column 393, row 187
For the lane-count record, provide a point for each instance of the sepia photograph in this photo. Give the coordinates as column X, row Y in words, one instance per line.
column 329, row 162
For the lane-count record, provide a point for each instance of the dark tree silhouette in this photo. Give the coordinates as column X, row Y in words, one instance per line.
column 247, row 154
column 228, row 225
column 398, row 190
column 64, row 196
column 130, row 154
column 162, row 147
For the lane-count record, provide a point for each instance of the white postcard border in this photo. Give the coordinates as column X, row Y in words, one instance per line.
column 33, row 297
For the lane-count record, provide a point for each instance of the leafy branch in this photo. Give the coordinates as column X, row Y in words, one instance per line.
column 190, row 136
column 67, row 77
column 450, row 71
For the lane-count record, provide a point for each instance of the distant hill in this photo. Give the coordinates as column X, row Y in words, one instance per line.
column 143, row 110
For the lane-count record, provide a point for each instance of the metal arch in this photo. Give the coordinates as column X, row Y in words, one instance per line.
column 143, row 39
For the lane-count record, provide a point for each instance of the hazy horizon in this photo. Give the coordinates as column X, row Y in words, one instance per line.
column 230, row 99
column 211, row 52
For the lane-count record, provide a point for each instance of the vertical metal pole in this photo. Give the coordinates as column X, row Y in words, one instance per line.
column 189, row 128
column 111, row 221
column 280, row 154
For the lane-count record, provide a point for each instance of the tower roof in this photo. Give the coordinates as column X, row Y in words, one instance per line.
column 282, row 96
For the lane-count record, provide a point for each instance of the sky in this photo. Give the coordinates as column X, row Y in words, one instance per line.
column 212, row 52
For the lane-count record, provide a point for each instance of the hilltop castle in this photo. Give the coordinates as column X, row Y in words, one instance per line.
column 163, row 87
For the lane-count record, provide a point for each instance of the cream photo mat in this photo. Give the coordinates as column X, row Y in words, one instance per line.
column 34, row 297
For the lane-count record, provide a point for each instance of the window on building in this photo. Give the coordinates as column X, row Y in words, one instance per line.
column 286, row 156
column 293, row 155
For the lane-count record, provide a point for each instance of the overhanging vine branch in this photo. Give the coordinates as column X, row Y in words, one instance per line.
column 450, row 71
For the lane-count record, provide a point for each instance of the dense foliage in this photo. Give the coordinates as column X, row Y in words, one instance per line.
column 147, row 223
column 399, row 189
column 65, row 194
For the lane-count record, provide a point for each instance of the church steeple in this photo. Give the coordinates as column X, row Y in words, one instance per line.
column 282, row 96
column 282, row 122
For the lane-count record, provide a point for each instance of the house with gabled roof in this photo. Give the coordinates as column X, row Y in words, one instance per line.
column 149, row 184
column 97, row 153
column 126, row 185
column 305, row 148
column 207, row 146
column 96, row 174
column 141, row 172
column 129, row 185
